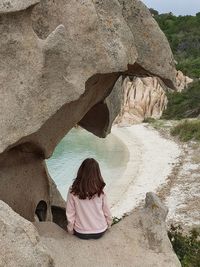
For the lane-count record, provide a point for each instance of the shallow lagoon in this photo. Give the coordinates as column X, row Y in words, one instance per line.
column 79, row 144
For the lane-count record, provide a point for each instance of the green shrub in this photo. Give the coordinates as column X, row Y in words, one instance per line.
column 149, row 120
column 187, row 130
column 187, row 247
column 116, row 220
column 185, row 104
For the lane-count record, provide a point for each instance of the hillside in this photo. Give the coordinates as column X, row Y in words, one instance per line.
column 184, row 38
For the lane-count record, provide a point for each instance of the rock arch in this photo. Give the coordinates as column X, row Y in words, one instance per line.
column 60, row 64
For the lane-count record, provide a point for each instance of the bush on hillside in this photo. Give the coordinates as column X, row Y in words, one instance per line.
column 187, row 247
column 184, row 38
column 185, row 104
column 187, row 130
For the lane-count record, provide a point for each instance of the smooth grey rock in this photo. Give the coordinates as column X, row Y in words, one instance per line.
column 20, row 243
column 8, row 6
column 28, row 66
column 153, row 224
column 154, row 205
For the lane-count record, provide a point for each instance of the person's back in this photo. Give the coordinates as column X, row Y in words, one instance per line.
column 87, row 210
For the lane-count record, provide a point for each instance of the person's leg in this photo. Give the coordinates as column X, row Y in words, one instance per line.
column 96, row 236
column 88, row 236
column 81, row 236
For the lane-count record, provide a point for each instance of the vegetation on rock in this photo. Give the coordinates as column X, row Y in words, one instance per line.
column 116, row 220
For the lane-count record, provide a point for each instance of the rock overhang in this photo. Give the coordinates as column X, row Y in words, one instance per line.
column 106, row 40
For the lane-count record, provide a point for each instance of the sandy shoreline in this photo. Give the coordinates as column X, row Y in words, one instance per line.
column 151, row 161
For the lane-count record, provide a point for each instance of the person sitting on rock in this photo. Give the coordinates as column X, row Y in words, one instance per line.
column 87, row 209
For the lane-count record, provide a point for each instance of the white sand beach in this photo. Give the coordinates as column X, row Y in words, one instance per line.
column 151, row 160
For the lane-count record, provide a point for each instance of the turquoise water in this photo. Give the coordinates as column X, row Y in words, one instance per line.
column 79, row 144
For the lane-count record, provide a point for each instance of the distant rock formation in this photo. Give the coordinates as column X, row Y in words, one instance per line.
column 182, row 81
column 145, row 97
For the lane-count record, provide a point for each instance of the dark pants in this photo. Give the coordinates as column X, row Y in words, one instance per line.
column 88, row 236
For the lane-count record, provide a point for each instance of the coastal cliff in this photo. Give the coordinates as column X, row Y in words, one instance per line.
column 145, row 97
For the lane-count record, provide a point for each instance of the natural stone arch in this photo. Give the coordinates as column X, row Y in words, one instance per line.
column 65, row 74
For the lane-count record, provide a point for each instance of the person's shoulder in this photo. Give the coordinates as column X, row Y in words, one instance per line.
column 70, row 191
column 102, row 195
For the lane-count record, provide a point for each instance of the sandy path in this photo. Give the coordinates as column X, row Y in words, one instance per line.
column 182, row 192
column 152, row 159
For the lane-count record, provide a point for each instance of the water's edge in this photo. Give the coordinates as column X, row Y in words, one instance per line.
column 111, row 153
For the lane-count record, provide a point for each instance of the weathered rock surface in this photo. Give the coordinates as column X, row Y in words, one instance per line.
column 154, row 53
column 15, row 5
column 74, row 59
column 99, row 119
column 20, row 244
column 44, row 71
column 142, row 98
column 139, row 240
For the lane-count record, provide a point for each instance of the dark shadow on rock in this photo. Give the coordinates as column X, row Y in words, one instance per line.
column 41, row 211
column 59, row 216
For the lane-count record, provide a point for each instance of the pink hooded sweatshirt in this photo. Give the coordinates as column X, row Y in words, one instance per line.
column 88, row 216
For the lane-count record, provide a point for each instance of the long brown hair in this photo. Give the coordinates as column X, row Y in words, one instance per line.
column 89, row 181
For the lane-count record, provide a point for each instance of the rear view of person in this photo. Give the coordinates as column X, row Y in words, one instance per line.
column 87, row 209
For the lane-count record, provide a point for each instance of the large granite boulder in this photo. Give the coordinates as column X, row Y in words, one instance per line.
column 79, row 60
column 72, row 64
column 20, row 243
